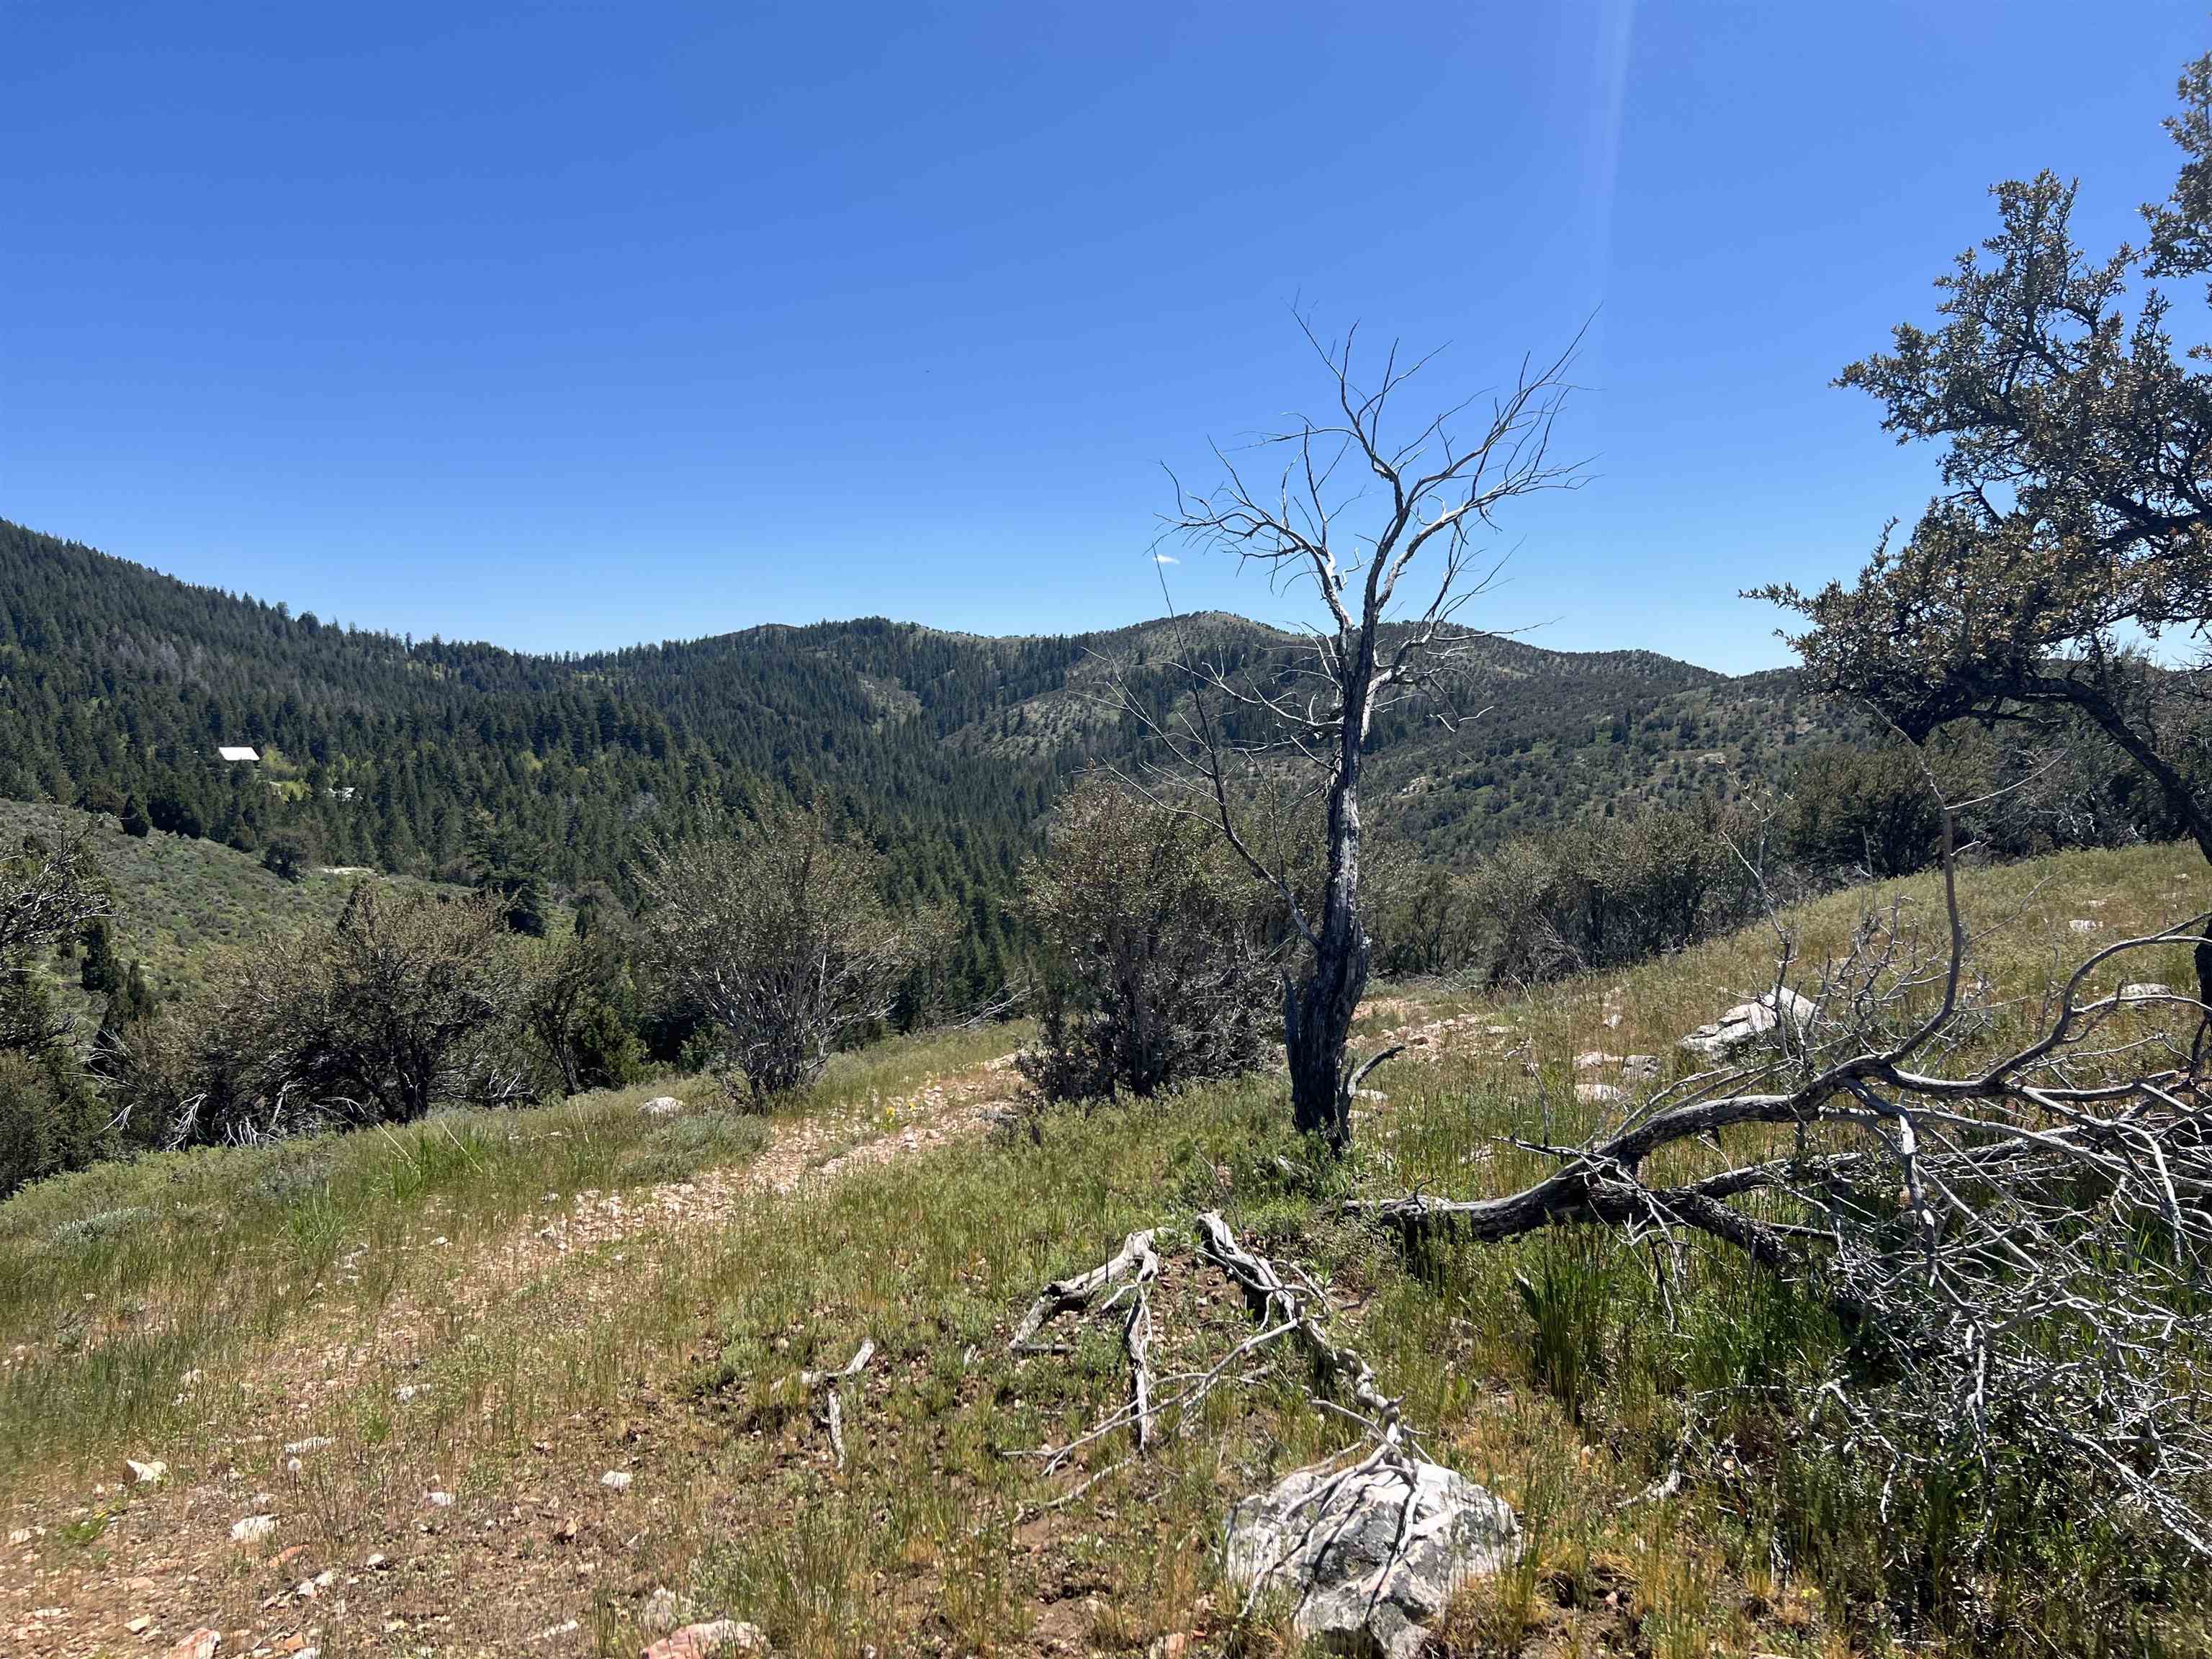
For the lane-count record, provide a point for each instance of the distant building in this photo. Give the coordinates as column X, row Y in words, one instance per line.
column 238, row 752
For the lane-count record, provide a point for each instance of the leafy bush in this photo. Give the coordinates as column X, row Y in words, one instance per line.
column 406, row 1001
column 1155, row 971
column 50, row 1120
column 777, row 930
column 1867, row 810
column 1614, row 892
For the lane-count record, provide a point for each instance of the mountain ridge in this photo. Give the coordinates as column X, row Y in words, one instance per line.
column 946, row 749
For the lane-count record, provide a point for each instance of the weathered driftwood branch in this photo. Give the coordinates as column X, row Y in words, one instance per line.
column 1281, row 1310
column 1276, row 1304
column 1127, row 1274
column 1135, row 1261
column 829, row 1385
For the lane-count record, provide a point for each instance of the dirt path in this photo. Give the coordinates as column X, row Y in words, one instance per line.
column 126, row 1568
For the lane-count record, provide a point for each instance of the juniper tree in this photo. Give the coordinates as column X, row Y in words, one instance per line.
column 2064, row 576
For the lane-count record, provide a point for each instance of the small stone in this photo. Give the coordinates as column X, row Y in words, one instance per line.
column 1595, row 1060
column 139, row 1625
column 660, row 1106
column 253, row 1529
column 200, row 1645
column 374, row 1563
column 616, row 1480
column 2149, row 991
column 711, row 1640
column 151, row 1473
column 1640, row 1068
column 439, row 1500
column 314, row 1443
column 1598, row 1094
column 405, row 1392
column 2084, row 924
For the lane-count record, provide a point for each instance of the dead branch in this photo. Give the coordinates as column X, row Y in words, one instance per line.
column 1274, row 1303
column 2023, row 1244
column 1135, row 1260
column 829, row 1385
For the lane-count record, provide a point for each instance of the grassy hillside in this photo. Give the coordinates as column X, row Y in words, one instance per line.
column 500, row 1309
column 178, row 897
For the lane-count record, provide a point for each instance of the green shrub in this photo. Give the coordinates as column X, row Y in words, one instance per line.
column 50, row 1120
column 1157, row 973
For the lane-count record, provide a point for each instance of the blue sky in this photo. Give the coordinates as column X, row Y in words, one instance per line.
column 567, row 326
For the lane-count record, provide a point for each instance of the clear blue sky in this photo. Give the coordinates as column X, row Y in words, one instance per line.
column 575, row 325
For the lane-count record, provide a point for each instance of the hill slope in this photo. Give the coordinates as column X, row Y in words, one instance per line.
column 420, row 1352
column 178, row 897
column 948, row 746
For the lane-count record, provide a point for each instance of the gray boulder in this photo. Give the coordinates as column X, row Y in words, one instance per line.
column 1747, row 1022
column 660, row 1106
column 1358, row 1591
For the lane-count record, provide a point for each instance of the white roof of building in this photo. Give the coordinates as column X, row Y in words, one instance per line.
column 230, row 751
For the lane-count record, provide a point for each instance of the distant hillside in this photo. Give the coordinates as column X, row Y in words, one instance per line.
column 947, row 748
column 176, row 897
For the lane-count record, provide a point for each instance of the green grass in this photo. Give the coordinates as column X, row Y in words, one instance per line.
column 1553, row 1369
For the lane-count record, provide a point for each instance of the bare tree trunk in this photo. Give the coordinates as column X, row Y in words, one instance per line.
column 1318, row 1013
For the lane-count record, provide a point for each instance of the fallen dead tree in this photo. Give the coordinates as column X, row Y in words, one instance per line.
column 1368, row 1544
column 2020, row 1248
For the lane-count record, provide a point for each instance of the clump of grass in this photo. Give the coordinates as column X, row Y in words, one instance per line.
column 684, row 1145
column 99, row 1226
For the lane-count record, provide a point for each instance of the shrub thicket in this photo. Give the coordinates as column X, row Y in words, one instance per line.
column 778, row 932
column 409, row 1000
column 1158, row 971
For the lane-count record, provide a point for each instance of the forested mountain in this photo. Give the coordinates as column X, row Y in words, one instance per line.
column 121, row 684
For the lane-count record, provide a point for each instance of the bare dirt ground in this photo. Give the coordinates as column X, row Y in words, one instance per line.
column 536, row 1562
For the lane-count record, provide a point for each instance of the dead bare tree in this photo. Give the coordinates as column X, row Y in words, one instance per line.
column 1361, row 497
column 2023, row 1245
